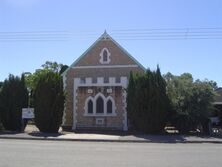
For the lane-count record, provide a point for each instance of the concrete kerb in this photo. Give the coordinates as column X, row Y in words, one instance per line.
column 112, row 140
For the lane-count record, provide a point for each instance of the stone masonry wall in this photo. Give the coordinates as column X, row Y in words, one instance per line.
column 91, row 58
column 112, row 122
column 94, row 73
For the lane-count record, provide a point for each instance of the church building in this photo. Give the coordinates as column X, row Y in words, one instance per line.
column 95, row 86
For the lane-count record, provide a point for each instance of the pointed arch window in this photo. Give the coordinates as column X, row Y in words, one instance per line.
column 99, row 105
column 105, row 56
column 90, row 107
column 109, row 106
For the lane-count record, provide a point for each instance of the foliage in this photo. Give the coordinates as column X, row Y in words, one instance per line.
column 32, row 78
column 52, row 66
column 13, row 97
column 63, row 69
column 1, row 84
column 49, row 102
column 14, row 94
column 218, row 107
column 191, row 101
column 130, row 99
column 218, row 111
column 147, row 102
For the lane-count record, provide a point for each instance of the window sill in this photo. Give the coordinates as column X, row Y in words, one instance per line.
column 104, row 62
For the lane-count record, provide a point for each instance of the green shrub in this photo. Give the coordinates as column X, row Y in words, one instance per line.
column 147, row 102
column 13, row 97
column 192, row 102
column 49, row 102
column 182, row 122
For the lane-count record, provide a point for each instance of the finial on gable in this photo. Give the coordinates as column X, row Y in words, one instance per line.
column 105, row 35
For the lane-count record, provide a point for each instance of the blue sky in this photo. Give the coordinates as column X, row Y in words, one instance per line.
column 82, row 22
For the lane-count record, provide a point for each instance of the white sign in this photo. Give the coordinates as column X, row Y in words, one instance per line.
column 99, row 121
column 90, row 91
column 28, row 113
column 109, row 90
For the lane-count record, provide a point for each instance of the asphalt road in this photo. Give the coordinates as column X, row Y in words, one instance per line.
column 29, row 153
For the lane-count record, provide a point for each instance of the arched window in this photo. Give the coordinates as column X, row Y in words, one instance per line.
column 109, row 106
column 99, row 105
column 90, row 106
column 105, row 56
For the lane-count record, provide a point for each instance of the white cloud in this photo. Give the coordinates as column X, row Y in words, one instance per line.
column 21, row 3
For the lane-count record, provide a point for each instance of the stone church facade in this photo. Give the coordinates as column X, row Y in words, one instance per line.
column 95, row 86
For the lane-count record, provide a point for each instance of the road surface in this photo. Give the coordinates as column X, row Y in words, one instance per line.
column 32, row 153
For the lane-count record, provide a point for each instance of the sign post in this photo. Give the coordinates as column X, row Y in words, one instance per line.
column 27, row 113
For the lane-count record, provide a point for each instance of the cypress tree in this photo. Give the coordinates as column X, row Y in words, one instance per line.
column 13, row 97
column 49, row 102
column 149, row 104
column 130, row 99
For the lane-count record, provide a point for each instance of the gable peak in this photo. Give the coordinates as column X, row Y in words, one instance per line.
column 105, row 35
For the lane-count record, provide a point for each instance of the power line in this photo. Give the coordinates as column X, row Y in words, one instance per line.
column 153, row 39
column 37, row 36
column 167, row 29
column 32, row 32
column 119, row 34
column 168, row 33
column 29, row 40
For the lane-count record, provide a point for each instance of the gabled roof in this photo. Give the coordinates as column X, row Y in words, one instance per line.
column 104, row 36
